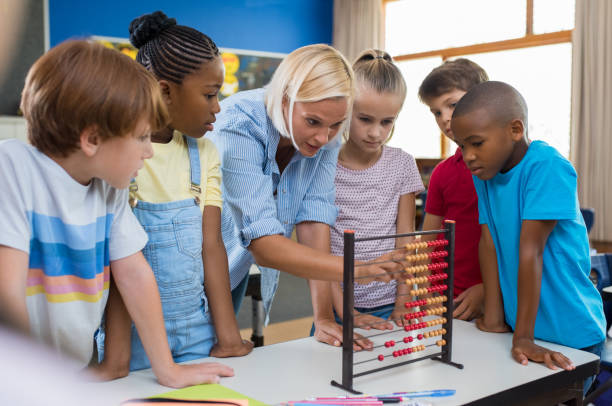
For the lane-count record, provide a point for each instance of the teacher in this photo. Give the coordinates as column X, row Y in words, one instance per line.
column 278, row 147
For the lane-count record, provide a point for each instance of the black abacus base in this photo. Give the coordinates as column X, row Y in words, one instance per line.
column 351, row 390
column 451, row 363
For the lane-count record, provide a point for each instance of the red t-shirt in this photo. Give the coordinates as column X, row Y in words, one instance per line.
column 451, row 195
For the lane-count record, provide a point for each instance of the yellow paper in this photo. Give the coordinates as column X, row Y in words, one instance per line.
column 209, row 391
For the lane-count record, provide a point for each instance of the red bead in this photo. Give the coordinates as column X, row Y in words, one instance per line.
column 395, row 354
column 420, row 336
column 386, row 344
column 406, row 328
column 381, row 357
column 406, row 339
column 410, row 339
column 391, row 343
column 405, row 351
column 409, row 350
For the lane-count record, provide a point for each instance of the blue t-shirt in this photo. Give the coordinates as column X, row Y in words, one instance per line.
column 543, row 187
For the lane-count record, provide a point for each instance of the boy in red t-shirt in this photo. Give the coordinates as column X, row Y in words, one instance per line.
column 451, row 194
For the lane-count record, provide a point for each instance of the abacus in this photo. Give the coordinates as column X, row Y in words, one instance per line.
column 421, row 339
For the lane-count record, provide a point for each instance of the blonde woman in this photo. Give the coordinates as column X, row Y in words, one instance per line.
column 279, row 147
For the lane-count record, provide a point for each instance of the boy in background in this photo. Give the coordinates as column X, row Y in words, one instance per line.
column 451, row 194
column 534, row 249
column 66, row 224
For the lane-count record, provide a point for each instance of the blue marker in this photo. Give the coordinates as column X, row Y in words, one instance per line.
column 436, row 393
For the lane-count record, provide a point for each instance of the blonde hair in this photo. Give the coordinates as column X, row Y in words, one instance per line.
column 79, row 84
column 308, row 74
column 375, row 68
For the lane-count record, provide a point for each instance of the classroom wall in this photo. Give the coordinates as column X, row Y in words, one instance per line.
column 260, row 25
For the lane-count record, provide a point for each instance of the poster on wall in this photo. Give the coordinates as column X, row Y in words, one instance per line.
column 244, row 69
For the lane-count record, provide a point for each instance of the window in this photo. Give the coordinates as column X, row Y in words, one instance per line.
column 524, row 43
column 415, row 130
column 417, row 26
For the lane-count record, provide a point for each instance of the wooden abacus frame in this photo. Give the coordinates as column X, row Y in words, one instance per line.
column 445, row 353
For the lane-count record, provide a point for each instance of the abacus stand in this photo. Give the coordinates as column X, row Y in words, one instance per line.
column 444, row 355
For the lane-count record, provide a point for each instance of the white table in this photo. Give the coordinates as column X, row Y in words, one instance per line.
column 304, row 368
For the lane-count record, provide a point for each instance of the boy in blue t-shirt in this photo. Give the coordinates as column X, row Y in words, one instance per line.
column 534, row 250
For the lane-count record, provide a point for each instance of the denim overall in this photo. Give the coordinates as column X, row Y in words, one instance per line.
column 174, row 252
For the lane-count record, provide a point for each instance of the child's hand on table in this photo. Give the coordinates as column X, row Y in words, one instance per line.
column 106, row 372
column 181, row 376
column 397, row 315
column 237, row 349
column 524, row 349
column 367, row 321
column 468, row 305
column 489, row 327
column 329, row 332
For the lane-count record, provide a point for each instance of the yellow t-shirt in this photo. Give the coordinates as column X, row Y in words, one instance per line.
column 166, row 177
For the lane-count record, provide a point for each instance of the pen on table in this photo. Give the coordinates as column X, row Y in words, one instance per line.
column 353, row 400
column 337, row 402
column 396, row 397
column 423, row 394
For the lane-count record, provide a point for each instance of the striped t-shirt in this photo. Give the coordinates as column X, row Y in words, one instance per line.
column 367, row 201
column 71, row 233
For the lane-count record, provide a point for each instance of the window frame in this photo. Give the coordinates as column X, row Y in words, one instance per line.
column 527, row 41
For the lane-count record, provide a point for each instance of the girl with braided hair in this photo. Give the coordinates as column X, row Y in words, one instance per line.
column 176, row 196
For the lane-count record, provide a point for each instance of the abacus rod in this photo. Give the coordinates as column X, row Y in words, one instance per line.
column 378, row 274
column 389, row 355
column 389, row 332
column 397, row 364
column 376, row 263
column 450, row 308
column 348, row 303
column 386, row 237
column 361, row 326
column 398, row 261
column 380, row 250
column 382, row 333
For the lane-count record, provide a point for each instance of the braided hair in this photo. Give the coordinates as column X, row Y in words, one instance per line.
column 168, row 50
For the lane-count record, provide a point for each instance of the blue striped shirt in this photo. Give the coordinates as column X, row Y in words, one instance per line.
column 247, row 142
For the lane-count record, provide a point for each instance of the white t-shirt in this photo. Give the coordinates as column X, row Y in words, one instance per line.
column 71, row 233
